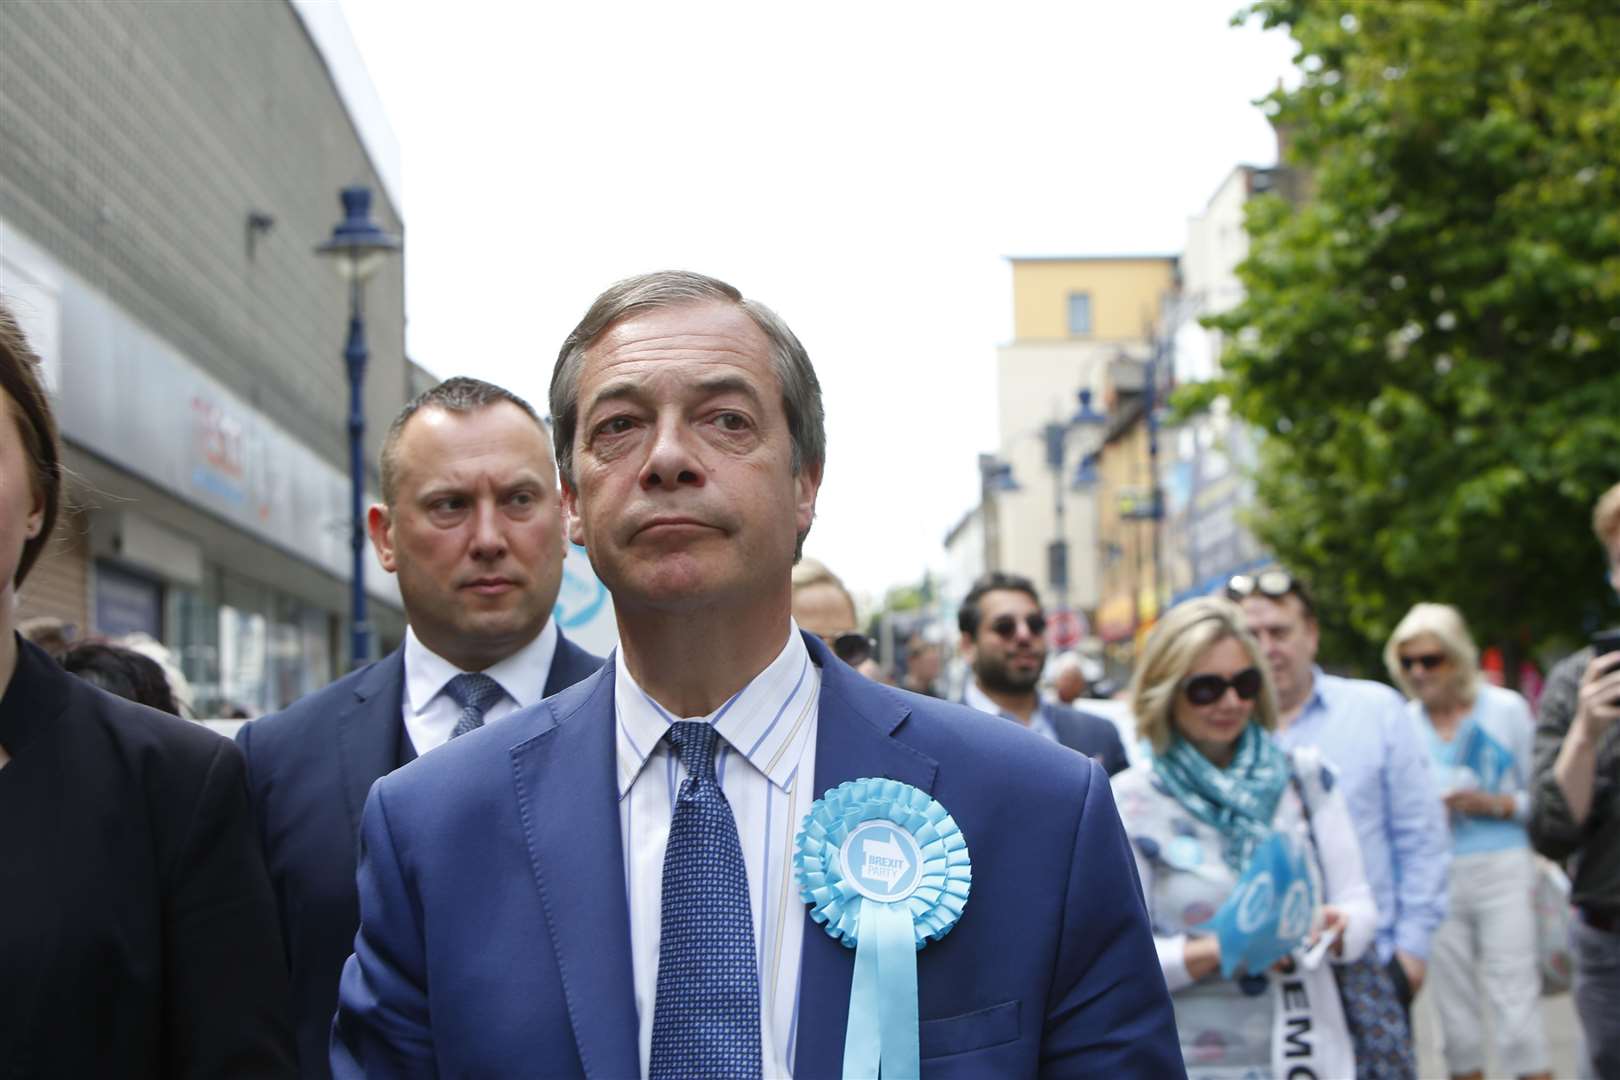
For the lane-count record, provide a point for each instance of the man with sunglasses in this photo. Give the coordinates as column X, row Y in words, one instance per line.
column 1362, row 729
column 1004, row 642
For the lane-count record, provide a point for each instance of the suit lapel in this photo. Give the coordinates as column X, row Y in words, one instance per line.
column 854, row 738
column 567, row 802
column 569, row 665
column 368, row 731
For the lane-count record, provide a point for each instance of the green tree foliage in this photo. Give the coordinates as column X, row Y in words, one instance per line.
column 1431, row 336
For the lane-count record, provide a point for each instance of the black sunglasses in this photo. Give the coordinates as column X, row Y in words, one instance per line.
column 1006, row 626
column 1272, row 583
column 1208, row 689
column 1428, row 661
column 853, row 648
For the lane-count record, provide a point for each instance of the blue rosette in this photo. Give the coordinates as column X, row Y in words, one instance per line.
column 885, row 871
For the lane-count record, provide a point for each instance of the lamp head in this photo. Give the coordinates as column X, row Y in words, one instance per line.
column 357, row 245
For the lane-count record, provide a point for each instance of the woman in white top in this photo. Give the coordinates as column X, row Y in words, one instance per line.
column 1217, row 787
column 1479, row 738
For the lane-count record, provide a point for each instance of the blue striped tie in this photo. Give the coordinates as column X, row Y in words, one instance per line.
column 706, row 1015
column 474, row 693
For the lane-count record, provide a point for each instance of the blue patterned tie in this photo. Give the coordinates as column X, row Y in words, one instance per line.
column 706, row 1017
column 474, row 693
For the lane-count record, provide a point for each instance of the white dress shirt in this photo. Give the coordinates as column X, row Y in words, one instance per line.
column 431, row 714
column 765, row 762
column 1038, row 723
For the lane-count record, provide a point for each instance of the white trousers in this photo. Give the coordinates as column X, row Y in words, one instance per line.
column 1490, row 931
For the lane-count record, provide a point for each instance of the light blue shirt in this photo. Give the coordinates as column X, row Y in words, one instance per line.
column 1505, row 717
column 1362, row 728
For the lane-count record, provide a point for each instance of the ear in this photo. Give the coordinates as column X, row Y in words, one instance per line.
column 965, row 647
column 380, row 525
column 573, row 527
column 36, row 519
column 807, row 484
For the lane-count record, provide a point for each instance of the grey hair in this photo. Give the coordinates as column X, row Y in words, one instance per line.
column 801, row 391
column 460, row 394
column 1446, row 625
column 1180, row 638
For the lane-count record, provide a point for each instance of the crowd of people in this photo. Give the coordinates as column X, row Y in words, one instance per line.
column 493, row 853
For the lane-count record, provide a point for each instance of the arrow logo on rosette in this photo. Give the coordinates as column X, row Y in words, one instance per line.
column 885, row 861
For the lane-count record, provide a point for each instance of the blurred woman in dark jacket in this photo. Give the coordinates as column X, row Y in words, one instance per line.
column 138, row 936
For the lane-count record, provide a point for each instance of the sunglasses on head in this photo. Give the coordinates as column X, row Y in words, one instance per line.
column 1006, row 626
column 1272, row 583
column 1208, row 689
column 1428, row 661
column 853, row 648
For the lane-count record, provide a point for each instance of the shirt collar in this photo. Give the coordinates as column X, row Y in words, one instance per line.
column 764, row 721
column 522, row 675
column 978, row 699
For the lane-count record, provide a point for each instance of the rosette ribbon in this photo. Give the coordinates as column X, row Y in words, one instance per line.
column 885, row 871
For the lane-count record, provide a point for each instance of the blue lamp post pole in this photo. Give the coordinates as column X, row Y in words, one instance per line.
column 357, row 247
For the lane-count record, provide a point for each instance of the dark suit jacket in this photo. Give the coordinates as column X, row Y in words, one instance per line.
column 309, row 769
column 137, row 932
column 1091, row 735
column 495, row 933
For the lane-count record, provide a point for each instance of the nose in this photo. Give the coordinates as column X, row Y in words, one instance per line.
column 489, row 534
column 671, row 461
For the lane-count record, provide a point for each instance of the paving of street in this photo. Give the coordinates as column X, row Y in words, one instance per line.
column 1563, row 1039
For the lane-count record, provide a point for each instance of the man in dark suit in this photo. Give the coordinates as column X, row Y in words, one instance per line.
column 604, row 885
column 472, row 526
column 1004, row 642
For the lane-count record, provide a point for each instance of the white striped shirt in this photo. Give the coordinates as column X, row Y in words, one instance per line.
column 765, row 763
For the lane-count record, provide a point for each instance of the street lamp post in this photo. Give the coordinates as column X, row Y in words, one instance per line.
column 357, row 248
column 1057, row 435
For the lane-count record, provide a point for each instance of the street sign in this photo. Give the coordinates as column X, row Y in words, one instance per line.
column 1065, row 629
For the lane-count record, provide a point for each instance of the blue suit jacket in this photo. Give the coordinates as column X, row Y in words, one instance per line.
column 495, row 927
column 309, row 769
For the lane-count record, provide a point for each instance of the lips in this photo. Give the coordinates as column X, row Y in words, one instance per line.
column 489, row 586
column 670, row 523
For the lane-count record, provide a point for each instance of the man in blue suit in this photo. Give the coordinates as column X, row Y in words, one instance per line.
column 1004, row 641
column 472, row 526
column 603, row 886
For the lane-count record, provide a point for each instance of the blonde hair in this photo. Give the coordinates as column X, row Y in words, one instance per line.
column 1177, row 643
column 808, row 572
column 1446, row 625
column 1606, row 516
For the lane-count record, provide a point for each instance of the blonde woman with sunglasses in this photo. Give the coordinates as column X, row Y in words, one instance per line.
column 1217, row 787
column 1479, row 738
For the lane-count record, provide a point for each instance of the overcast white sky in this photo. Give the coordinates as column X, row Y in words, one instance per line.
column 861, row 168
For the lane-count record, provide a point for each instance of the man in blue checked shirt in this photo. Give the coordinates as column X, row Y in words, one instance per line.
column 1362, row 729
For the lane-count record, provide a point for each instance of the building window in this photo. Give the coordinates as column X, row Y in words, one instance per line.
column 1079, row 313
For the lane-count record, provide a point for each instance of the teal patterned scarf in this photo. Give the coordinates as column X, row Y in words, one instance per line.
column 1238, row 801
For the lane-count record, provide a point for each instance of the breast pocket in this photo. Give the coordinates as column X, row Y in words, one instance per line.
column 971, row 1031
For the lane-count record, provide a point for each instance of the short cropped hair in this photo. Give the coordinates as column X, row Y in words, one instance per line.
column 801, row 390
column 1185, row 633
column 1447, row 625
column 971, row 612
column 1606, row 516
column 460, row 394
column 30, row 409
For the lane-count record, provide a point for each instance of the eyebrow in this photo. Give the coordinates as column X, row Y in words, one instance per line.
column 707, row 386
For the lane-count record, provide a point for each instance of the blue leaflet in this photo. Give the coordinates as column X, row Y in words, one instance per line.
column 1486, row 758
column 1269, row 910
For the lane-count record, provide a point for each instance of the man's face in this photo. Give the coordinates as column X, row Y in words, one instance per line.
column 823, row 610
column 684, row 493
column 475, row 533
column 1006, row 655
column 1069, row 685
column 1288, row 638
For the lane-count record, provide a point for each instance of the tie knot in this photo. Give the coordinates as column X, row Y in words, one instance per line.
column 694, row 742
column 475, row 691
